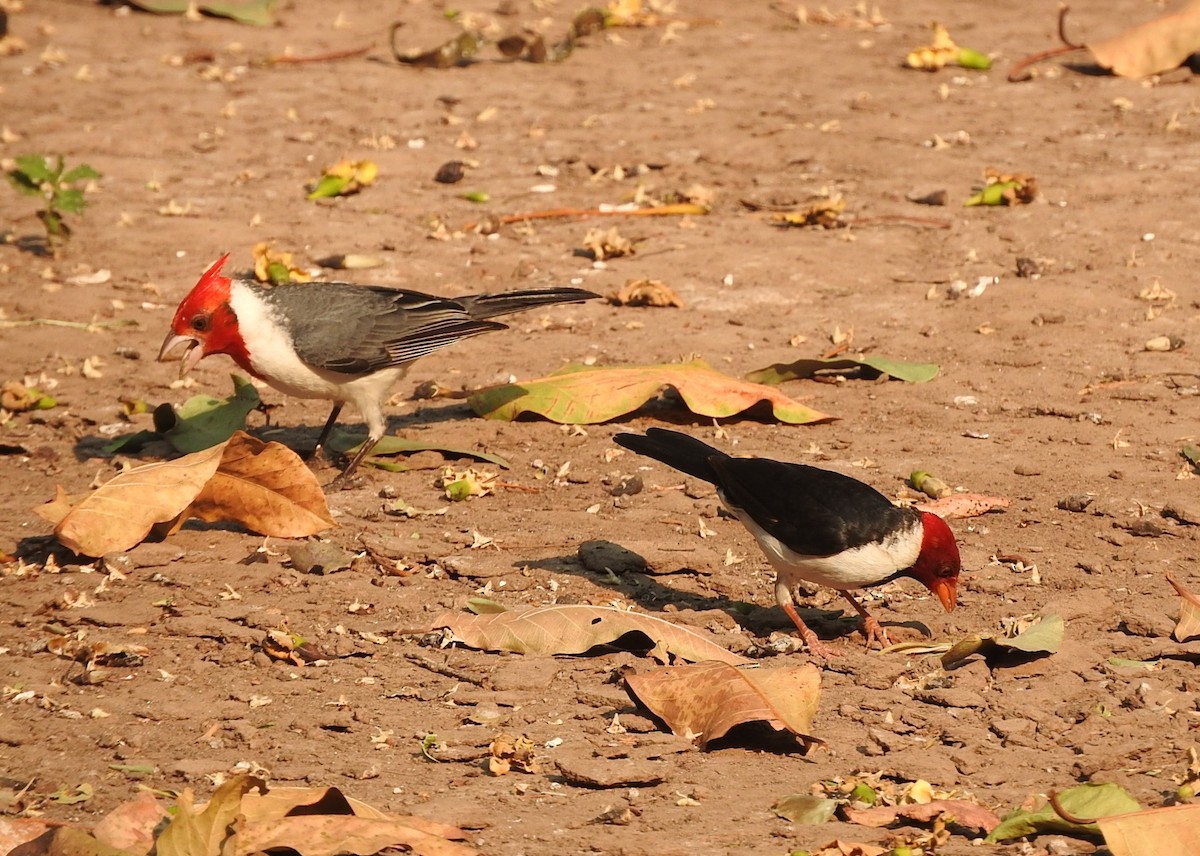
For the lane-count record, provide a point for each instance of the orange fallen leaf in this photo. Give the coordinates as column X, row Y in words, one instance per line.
column 263, row 486
column 1169, row 831
column 1188, row 626
column 965, row 813
column 120, row 514
column 963, row 505
column 705, row 700
column 266, row 488
column 576, row 628
column 586, row 395
column 1156, row 46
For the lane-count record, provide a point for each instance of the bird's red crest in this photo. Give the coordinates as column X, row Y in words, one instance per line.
column 207, row 294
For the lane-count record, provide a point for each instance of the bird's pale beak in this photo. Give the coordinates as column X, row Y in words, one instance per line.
column 946, row 591
column 190, row 357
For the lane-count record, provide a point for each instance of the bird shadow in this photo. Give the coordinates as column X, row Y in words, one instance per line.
column 652, row 595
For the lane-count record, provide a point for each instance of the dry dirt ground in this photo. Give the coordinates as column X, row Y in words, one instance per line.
column 1045, row 391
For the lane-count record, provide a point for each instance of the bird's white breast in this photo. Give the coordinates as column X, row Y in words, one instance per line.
column 851, row 569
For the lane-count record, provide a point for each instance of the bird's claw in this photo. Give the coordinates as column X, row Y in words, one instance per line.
column 874, row 632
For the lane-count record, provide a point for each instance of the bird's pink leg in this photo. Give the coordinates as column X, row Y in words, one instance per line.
column 871, row 628
column 783, row 594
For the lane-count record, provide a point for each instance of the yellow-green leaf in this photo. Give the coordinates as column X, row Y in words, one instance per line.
column 868, row 367
column 583, row 395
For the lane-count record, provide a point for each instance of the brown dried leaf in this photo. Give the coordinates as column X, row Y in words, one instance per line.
column 1153, row 47
column 1188, row 626
column 704, row 701
column 600, row 244
column 966, row 814
column 574, row 629
column 119, row 514
column 266, row 488
column 963, row 505
column 824, row 213
column 1169, row 831
column 130, row 826
column 645, row 292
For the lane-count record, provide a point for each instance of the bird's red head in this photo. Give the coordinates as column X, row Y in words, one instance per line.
column 205, row 322
column 938, row 565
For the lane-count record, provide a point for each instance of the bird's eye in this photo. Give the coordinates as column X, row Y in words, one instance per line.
column 200, row 323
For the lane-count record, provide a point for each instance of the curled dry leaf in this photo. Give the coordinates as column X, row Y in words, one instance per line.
column 942, row 51
column 600, row 244
column 962, row 505
column 1188, row 626
column 645, row 292
column 276, row 266
column 824, row 213
column 574, row 629
column 1004, row 189
column 344, row 178
column 704, row 701
column 583, row 395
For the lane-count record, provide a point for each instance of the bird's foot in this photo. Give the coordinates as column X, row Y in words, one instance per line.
column 346, row 481
column 874, row 632
column 815, row 646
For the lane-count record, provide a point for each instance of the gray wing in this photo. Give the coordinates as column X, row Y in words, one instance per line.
column 356, row 329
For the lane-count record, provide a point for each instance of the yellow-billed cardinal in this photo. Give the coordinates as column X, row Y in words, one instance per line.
column 817, row 525
column 335, row 340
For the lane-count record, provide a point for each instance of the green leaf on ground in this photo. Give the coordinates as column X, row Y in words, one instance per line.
column 204, row 421
column 388, row 446
column 868, row 367
column 584, row 395
column 1084, row 802
column 260, row 13
column 1044, row 636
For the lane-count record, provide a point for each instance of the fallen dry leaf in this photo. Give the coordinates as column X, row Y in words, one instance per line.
column 965, row 813
column 1156, row 46
column 130, row 826
column 120, row 514
column 1169, row 831
column 963, row 505
column 584, row 395
column 1188, row 626
column 704, row 701
column 573, row 629
column 265, row 487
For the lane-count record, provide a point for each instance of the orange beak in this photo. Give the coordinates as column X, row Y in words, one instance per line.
column 946, row 589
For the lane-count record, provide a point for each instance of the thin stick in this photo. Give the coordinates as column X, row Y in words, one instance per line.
column 680, row 210
column 445, row 670
column 74, row 325
column 1019, row 73
column 285, row 59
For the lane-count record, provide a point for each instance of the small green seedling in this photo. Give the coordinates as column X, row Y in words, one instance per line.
column 36, row 175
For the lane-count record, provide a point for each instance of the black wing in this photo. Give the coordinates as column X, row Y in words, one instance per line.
column 813, row 511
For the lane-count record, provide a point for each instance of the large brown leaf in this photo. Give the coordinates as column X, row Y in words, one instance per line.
column 1170, row 831
column 266, row 488
column 582, row 395
column 703, row 701
column 1153, row 47
column 119, row 514
column 965, row 813
column 263, row 486
column 573, row 629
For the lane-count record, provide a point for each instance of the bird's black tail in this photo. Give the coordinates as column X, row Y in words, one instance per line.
column 681, row 451
column 480, row 306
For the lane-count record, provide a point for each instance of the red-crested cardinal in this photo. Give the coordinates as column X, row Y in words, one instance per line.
column 334, row 340
column 817, row 526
